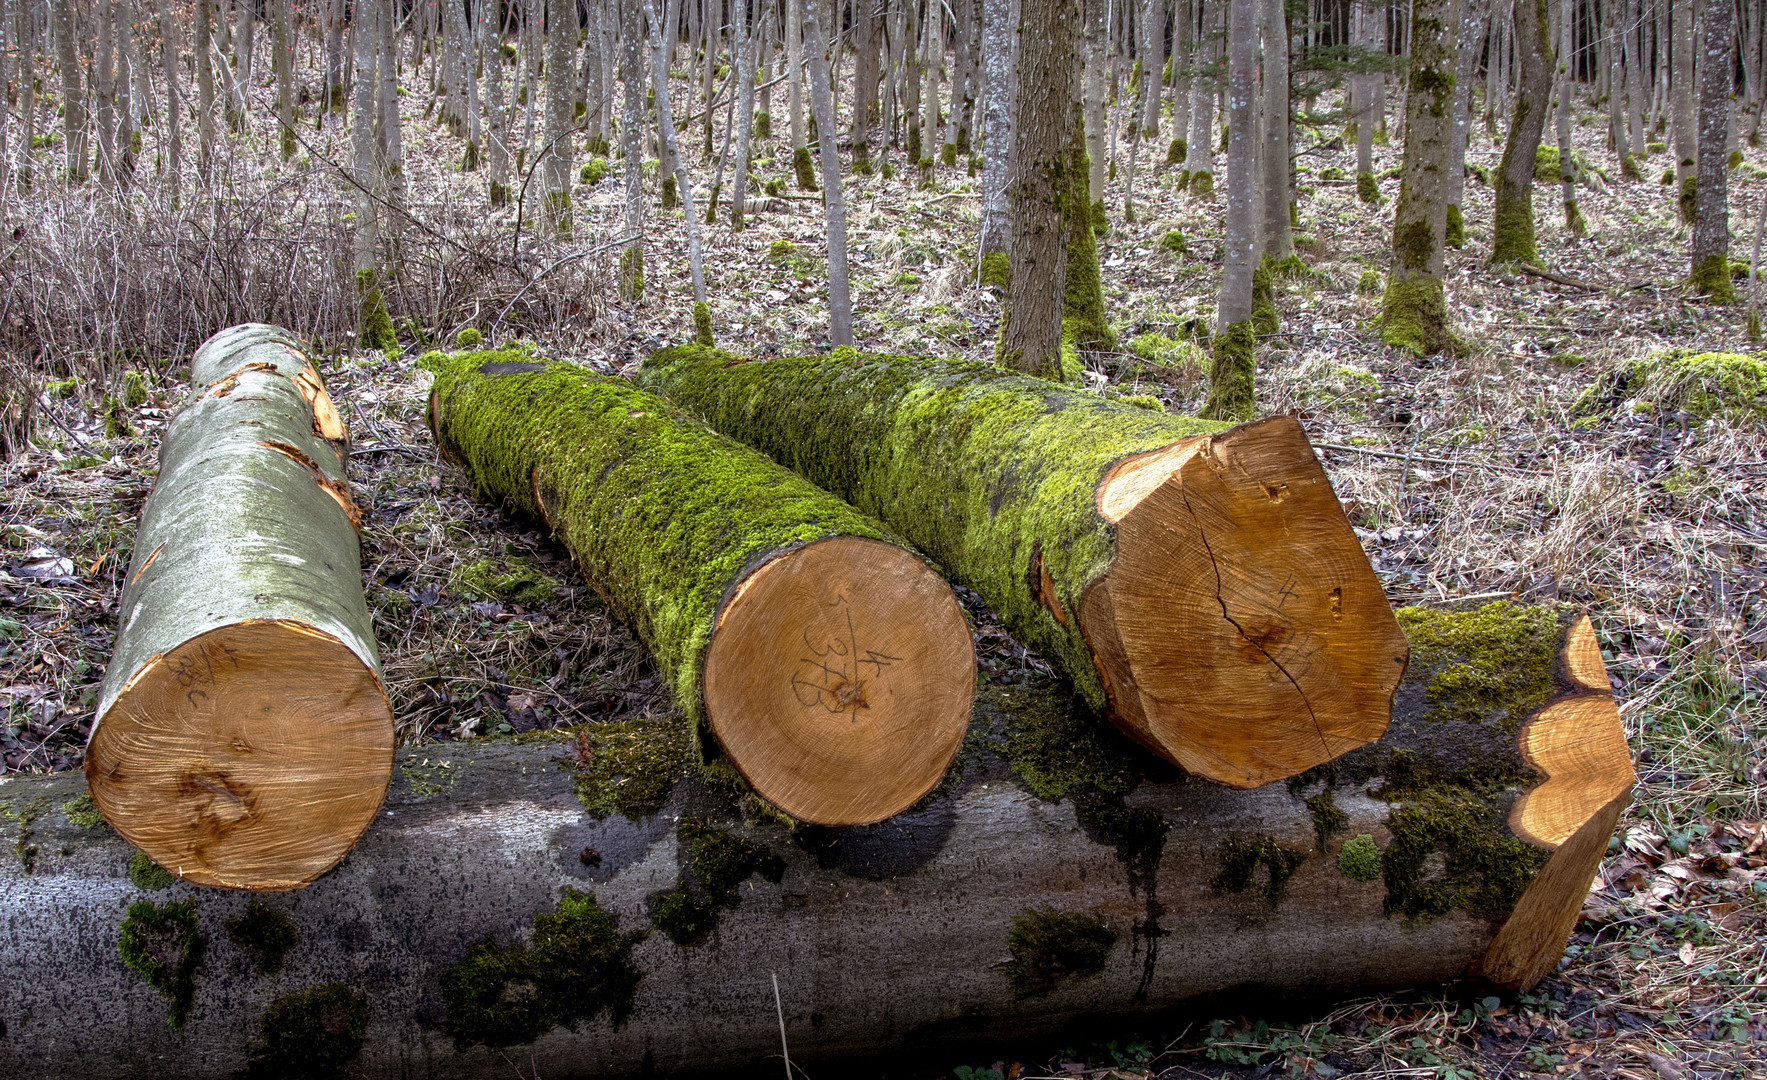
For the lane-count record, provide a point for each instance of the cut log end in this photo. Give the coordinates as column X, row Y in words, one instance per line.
column 839, row 680
column 1241, row 631
column 249, row 757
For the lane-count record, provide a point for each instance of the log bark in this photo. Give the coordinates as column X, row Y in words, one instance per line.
column 1038, row 889
column 832, row 666
column 243, row 738
column 1198, row 580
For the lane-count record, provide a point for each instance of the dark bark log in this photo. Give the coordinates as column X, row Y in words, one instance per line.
column 1060, row 873
column 243, row 738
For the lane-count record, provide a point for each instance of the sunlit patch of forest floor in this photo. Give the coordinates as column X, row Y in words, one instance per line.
column 1558, row 458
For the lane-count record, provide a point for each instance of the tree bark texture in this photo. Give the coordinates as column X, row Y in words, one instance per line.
column 834, row 204
column 1711, row 215
column 1683, row 124
column 1103, row 536
column 1241, row 246
column 1030, row 332
column 592, row 907
column 832, row 665
column 997, row 138
column 73, row 98
column 243, row 738
column 1278, row 230
column 1512, row 229
column 1414, row 311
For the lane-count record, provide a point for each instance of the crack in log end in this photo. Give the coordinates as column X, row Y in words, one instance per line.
column 1042, row 586
column 327, row 424
column 217, row 805
column 338, row 490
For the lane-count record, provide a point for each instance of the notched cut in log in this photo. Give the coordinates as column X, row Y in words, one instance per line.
column 327, row 424
column 1199, row 582
column 1578, row 744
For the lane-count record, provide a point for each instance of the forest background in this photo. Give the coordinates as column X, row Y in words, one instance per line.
column 1500, row 260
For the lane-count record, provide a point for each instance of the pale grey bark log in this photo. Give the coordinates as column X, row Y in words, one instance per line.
column 840, row 303
column 997, row 134
column 1278, row 231
column 1241, row 245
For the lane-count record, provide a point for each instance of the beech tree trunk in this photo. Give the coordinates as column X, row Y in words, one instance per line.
column 1711, row 216
column 833, row 666
column 1512, row 229
column 494, row 911
column 1239, row 634
column 243, row 739
column 1278, row 230
column 834, row 204
column 1683, row 125
column 73, row 98
column 997, row 141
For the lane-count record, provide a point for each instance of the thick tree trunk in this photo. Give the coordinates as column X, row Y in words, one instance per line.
column 1711, row 216
column 1414, row 311
column 243, row 739
column 1102, row 535
column 834, row 204
column 1512, row 229
column 496, row 911
column 833, row 666
column 1278, row 230
column 1030, row 329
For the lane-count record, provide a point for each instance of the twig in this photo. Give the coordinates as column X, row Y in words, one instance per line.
column 1534, row 271
column 1428, row 460
column 780, row 1009
column 492, row 333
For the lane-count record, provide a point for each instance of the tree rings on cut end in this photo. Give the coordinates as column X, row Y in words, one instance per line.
column 839, row 680
column 250, row 757
column 1240, row 630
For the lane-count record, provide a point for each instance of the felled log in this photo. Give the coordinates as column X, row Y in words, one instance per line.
column 585, row 905
column 833, row 666
column 243, row 737
column 1199, row 581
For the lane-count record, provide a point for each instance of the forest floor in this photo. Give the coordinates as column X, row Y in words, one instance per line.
column 1496, row 473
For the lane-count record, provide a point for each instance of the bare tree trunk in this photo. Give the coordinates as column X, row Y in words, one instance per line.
column 963, row 84
column 1097, row 16
column 374, row 326
column 1231, row 373
column 1472, row 36
column 529, row 97
column 865, row 78
column 561, row 40
column 595, row 141
column 128, row 65
column 1364, row 104
column 205, row 88
column 240, row 84
column 840, row 303
column 929, row 94
column 1512, row 239
column 997, row 140
column 73, row 99
column 497, row 130
column 104, row 89
column 283, row 44
column 1414, row 312
column 683, row 181
column 334, row 56
column 1199, row 161
column 1030, row 331
column 1711, row 216
column 1682, row 93
column 794, row 64
column 391, row 131
column 1567, row 87
column 746, row 43
column 1279, row 237
column 631, row 281
column 169, row 41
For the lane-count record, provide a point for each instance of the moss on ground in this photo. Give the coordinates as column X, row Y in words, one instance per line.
column 718, row 862
column 1048, row 947
column 993, row 475
column 578, row 968
column 1172, row 241
column 163, row 944
column 593, row 171
column 1491, row 664
column 1360, row 858
column 512, row 578
column 311, row 1034
column 134, row 389
column 266, row 932
column 1370, row 283
column 1702, row 384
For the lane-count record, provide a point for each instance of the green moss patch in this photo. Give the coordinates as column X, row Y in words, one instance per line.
column 81, row 811
column 1360, row 859
column 1328, row 818
column 1494, row 662
column 266, row 932
column 147, row 874
column 718, row 862
column 312, row 1034
column 629, row 768
column 1451, row 850
column 579, row 967
column 1048, row 947
column 1732, row 386
column 162, row 944
column 512, row 579
column 1240, row 860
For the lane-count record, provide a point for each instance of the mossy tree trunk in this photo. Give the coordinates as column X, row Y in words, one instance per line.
column 243, row 739
column 1512, row 229
column 1200, row 584
column 1083, row 321
column 1031, row 329
column 1199, row 160
column 631, row 913
column 1414, row 311
column 1711, row 215
column 832, row 666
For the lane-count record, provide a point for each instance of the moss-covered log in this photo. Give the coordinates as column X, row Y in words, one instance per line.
column 833, row 666
column 583, row 904
column 243, row 738
column 1199, row 581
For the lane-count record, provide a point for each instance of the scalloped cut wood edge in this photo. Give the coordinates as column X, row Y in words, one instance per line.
column 212, row 762
column 839, row 680
column 1241, row 632
column 1579, row 744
